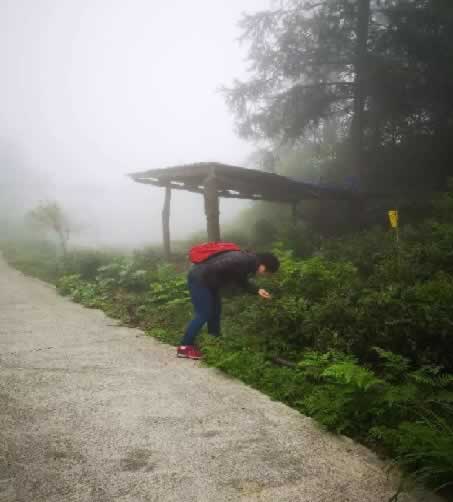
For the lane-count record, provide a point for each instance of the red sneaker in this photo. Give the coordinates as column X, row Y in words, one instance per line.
column 188, row 351
column 194, row 353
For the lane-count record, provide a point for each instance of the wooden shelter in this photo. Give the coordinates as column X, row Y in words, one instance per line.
column 214, row 180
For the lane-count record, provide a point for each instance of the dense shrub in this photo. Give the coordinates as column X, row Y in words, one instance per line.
column 123, row 273
column 359, row 335
column 86, row 262
column 35, row 258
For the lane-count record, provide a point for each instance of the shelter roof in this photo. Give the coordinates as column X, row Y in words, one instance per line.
column 238, row 182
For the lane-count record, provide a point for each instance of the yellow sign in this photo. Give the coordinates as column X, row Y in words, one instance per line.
column 393, row 217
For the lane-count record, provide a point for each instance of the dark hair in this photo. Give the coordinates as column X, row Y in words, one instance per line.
column 269, row 260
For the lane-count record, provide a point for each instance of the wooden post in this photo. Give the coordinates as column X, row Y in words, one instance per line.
column 211, row 204
column 166, row 223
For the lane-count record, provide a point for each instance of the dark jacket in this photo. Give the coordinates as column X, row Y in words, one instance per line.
column 231, row 268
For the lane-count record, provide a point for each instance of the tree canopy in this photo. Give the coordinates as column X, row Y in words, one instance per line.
column 376, row 71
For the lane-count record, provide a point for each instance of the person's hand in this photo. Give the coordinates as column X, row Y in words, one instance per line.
column 264, row 294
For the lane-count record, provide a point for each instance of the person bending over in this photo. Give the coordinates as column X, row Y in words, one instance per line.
column 206, row 279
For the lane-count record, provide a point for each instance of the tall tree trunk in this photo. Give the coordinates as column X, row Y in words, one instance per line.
column 357, row 126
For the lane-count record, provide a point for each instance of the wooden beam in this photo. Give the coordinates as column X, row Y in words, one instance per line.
column 250, row 186
column 281, row 197
column 211, row 201
column 166, row 223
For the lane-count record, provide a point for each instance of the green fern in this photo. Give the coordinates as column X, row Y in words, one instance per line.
column 402, row 395
column 352, row 374
column 394, row 365
column 426, row 448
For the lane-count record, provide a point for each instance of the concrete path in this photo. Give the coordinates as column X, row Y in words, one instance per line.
column 90, row 411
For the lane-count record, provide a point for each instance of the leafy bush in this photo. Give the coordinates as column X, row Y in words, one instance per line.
column 358, row 335
column 123, row 273
column 147, row 258
column 168, row 289
column 401, row 408
column 68, row 283
column 85, row 263
column 156, row 299
column 425, row 448
column 329, row 313
column 35, row 258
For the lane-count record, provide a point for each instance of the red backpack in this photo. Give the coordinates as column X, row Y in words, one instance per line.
column 202, row 252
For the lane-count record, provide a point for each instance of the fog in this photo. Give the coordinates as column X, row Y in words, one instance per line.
column 94, row 89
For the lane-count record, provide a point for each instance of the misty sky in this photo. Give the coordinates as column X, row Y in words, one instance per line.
column 93, row 89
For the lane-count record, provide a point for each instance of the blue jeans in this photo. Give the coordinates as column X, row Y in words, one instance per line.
column 207, row 307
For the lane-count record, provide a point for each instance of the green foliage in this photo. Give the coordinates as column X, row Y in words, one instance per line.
column 425, row 447
column 365, row 339
column 164, row 335
column 147, row 258
column 372, row 337
column 405, row 410
column 365, row 250
column 330, row 73
column 155, row 298
column 68, row 283
column 124, row 272
column 344, row 397
column 315, row 278
column 35, row 258
column 172, row 292
column 88, row 294
column 86, row 262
